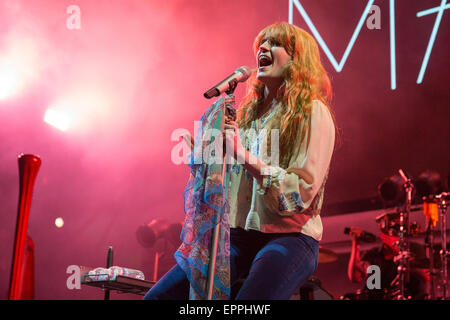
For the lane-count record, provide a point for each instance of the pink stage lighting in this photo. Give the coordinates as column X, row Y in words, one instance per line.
column 57, row 119
column 9, row 81
column 59, row 222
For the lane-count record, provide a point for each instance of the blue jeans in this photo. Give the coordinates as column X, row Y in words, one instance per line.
column 272, row 264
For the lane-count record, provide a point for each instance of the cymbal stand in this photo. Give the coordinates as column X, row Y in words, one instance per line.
column 404, row 254
column 442, row 199
column 429, row 238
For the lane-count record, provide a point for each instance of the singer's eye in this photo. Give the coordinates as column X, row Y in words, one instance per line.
column 271, row 41
column 275, row 43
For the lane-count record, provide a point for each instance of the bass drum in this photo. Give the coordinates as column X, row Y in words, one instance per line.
column 312, row 290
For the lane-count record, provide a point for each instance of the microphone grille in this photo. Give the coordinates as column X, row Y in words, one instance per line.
column 246, row 71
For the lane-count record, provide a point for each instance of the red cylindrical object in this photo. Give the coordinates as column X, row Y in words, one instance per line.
column 28, row 168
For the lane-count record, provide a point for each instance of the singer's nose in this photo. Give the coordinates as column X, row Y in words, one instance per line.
column 261, row 51
column 264, row 46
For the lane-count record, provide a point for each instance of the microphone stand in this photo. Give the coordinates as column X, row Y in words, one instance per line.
column 225, row 187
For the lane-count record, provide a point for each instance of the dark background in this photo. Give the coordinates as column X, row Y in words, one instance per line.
column 136, row 71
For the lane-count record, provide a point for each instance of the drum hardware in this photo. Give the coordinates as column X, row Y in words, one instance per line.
column 435, row 207
column 366, row 294
column 442, row 201
column 404, row 255
column 422, row 264
column 313, row 290
column 435, row 259
column 430, row 256
column 391, row 191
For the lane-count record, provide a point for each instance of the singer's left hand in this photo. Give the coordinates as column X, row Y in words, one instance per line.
column 233, row 138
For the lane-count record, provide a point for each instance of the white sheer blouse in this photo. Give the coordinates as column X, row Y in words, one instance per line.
column 288, row 199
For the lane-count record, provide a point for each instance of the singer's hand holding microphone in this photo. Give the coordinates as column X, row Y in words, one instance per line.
column 231, row 134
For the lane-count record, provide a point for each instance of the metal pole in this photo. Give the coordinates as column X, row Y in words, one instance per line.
column 444, row 252
column 404, row 254
column 155, row 267
column 109, row 263
column 216, row 230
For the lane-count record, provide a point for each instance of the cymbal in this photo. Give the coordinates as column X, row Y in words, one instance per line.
column 327, row 255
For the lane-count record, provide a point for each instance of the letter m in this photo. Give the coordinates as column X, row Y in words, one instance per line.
column 323, row 45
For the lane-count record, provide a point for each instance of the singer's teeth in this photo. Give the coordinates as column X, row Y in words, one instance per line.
column 264, row 61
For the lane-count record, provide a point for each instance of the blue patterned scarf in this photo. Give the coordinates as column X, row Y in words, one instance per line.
column 206, row 206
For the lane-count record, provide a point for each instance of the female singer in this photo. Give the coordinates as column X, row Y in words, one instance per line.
column 275, row 200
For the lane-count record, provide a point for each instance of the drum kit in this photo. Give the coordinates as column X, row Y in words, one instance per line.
column 421, row 255
column 428, row 189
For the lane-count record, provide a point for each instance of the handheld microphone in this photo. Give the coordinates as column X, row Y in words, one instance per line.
column 239, row 75
column 364, row 237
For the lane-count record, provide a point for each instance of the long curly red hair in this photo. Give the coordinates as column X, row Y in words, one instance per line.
column 305, row 79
